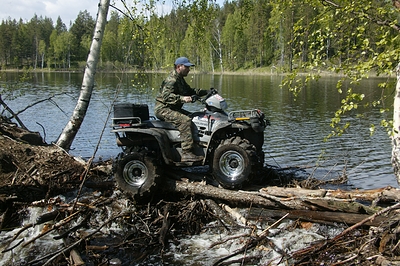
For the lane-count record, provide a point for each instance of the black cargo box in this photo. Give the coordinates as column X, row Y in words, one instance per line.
column 127, row 112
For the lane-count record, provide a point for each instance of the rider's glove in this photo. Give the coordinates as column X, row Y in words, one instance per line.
column 195, row 98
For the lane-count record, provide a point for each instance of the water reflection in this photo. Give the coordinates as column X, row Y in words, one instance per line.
column 295, row 137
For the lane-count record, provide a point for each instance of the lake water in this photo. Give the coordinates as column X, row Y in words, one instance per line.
column 294, row 139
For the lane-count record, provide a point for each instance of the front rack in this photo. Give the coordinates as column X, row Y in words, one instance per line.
column 244, row 115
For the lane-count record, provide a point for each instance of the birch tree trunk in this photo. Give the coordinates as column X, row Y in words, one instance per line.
column 71, row 129
column 396, row 128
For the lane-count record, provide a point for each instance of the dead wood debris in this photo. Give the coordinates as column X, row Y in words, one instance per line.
column 355, row 246
column 147, row 230
column 144, row 232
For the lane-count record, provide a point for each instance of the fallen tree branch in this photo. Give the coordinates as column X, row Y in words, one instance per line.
column 234, row 214
column 219, row 213
column 84, row 175
column 217, row 193
column 314, row 249
column 12, row 113
column 387, row 194
column 54, row 255
column 54, row 227
column 351, row 228
column 323, row 217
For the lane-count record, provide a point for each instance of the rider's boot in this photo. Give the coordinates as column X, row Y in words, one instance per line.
column 188, row 156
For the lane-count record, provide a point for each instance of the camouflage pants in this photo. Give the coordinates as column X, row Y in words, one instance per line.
column 181, row 121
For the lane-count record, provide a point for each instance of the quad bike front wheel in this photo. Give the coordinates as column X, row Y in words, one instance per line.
column 136, row 174
column 233, row 162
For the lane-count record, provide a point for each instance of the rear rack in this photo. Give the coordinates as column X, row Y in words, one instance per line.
column 129, row 115
column 131, row 121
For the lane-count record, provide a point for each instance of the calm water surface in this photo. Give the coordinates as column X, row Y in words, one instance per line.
column 294, row 139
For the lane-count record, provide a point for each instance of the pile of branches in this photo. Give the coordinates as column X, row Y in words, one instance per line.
column 97, row 229
column 104, row 225
column 358, row 245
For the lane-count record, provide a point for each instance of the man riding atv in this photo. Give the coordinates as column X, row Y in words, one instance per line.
column 230, row 144
column 174, row 92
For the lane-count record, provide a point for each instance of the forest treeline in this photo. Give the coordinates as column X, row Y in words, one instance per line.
column 242, row 34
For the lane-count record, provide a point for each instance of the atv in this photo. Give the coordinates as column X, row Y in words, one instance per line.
column 231, row 144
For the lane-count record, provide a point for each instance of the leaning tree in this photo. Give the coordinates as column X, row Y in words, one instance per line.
column 71, row 129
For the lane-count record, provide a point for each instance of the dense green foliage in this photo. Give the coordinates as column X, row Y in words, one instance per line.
column 243, row 34
column 352, row 38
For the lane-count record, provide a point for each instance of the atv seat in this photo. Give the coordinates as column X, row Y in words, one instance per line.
column 159, row 124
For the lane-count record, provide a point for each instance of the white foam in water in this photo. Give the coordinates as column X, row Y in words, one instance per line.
column 21, row 255
column 198, row 249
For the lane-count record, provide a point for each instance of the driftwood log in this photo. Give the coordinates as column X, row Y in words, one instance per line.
column 322, row 206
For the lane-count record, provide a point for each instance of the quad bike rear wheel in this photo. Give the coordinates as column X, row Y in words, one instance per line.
column 234, row 161
column 137, row 174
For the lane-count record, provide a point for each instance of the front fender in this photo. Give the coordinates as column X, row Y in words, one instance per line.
column 242, row 129
column 221, row 126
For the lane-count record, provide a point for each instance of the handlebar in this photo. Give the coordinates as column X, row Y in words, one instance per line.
column 208, row 95
column 211, row 93
column 195, row 98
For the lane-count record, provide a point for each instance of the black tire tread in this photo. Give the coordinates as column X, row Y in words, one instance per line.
column 137, row 194
column 249, row 149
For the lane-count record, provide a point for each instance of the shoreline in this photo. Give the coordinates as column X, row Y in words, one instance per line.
column 250, row 72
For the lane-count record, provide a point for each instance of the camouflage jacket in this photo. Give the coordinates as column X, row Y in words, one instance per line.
column 172, row 91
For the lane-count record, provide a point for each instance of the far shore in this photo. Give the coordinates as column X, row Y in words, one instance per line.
column 249, row 72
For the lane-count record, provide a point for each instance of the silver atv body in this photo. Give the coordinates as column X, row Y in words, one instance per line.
column 230, row 143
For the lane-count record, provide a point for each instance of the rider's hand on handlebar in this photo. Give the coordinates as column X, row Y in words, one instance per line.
column 187, row 99
column 195, row 98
